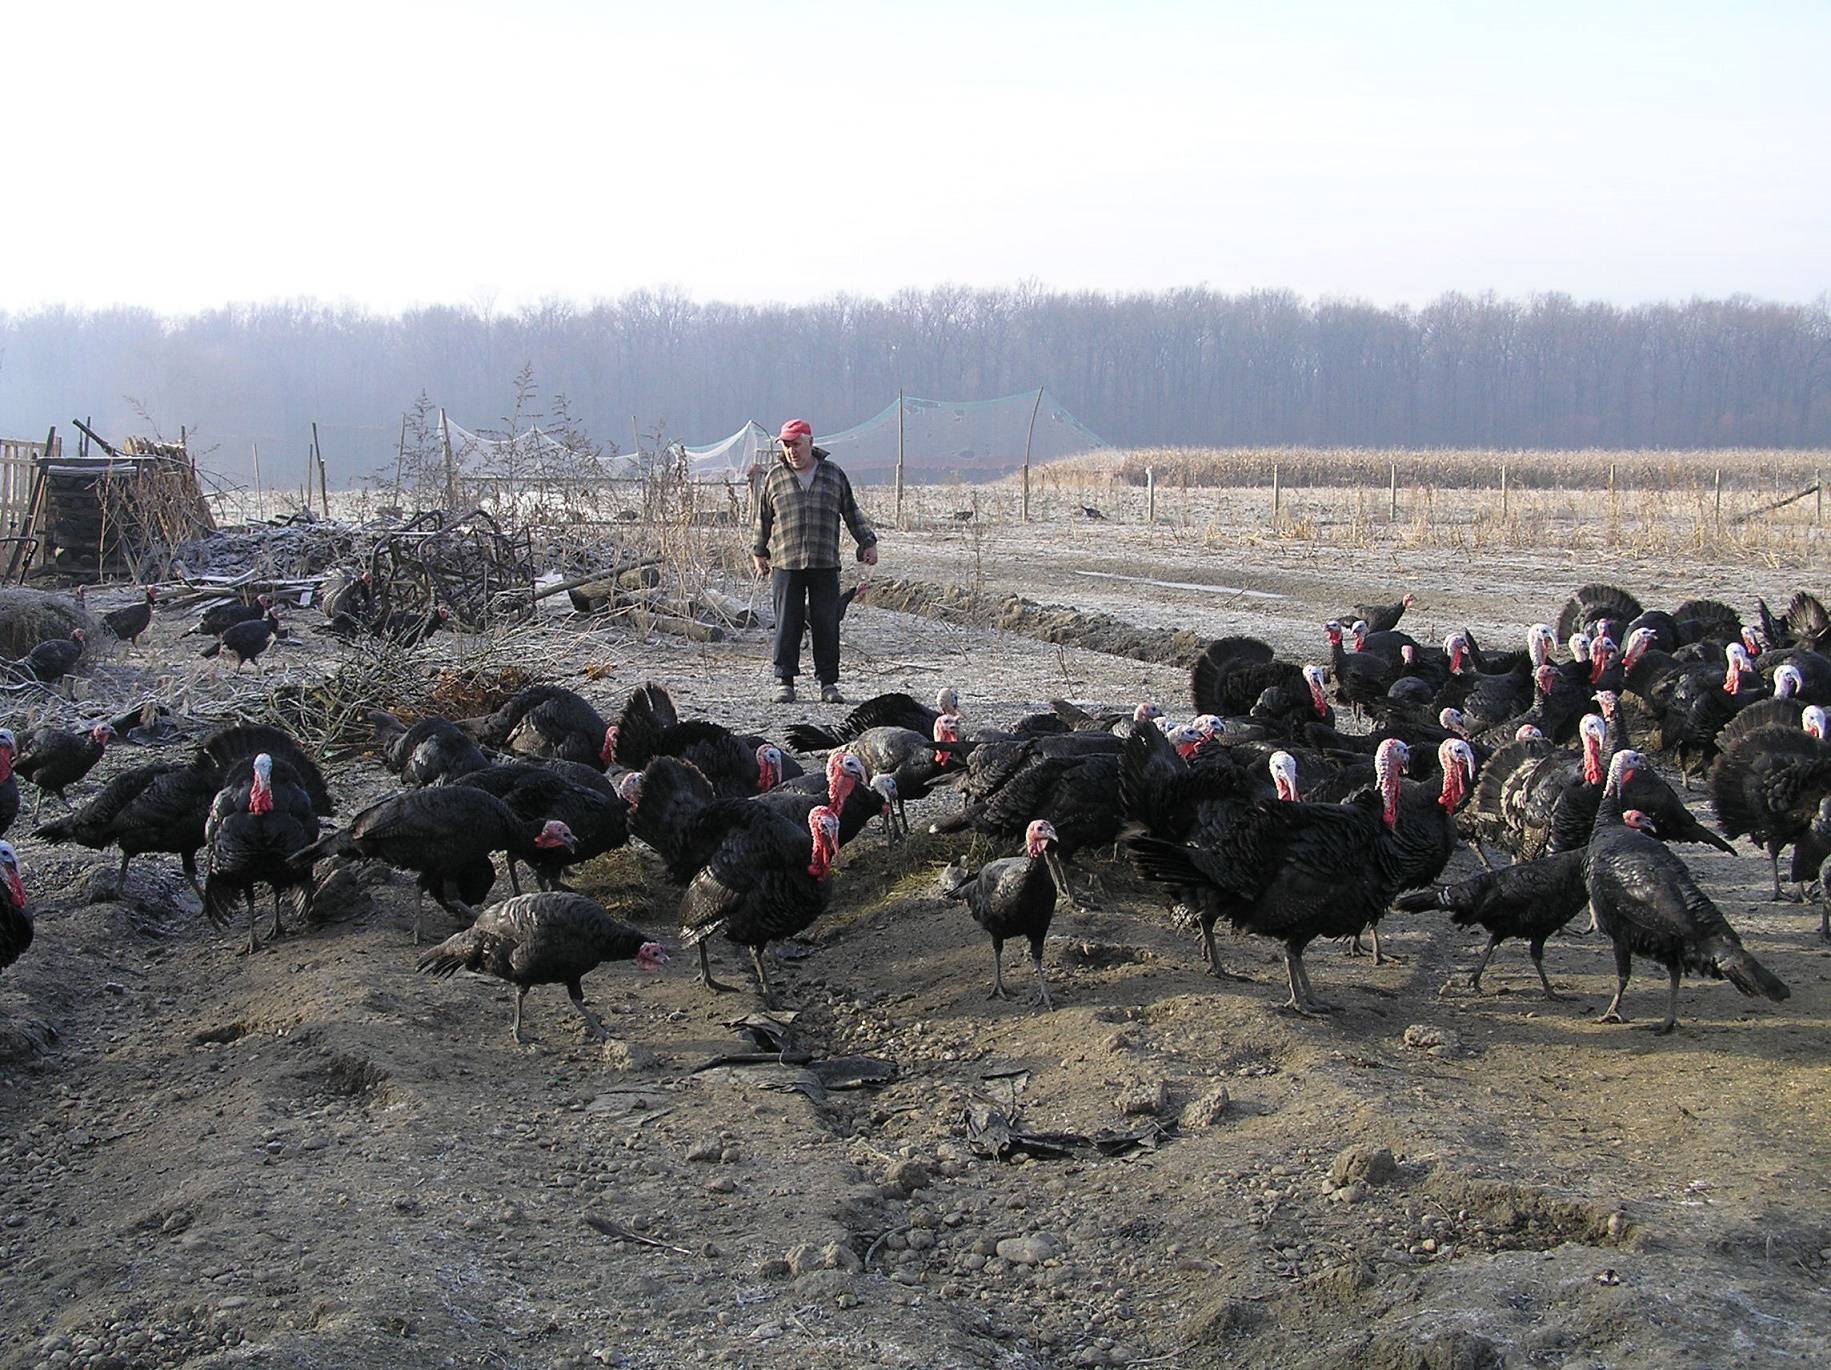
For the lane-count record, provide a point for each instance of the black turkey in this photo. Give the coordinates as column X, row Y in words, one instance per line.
column 1290, row 871
column 15, row 918
column 246, row 641
column 1646, row 902
column 1013, row 897
column 1768, row 782
column 544, row 939
column 762, row 877
column 895, row 710
column 445, row 835
column 430, row 752
column 548, row 721
column 126, row 624
column 53, row 759
column 258, row 819
column 1529, row 900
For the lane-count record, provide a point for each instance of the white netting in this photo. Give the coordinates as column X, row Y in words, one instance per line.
column 533, row 442
column 732, row 457
column 941, row 440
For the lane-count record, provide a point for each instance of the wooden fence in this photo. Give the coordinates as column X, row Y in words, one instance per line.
column 19, row 487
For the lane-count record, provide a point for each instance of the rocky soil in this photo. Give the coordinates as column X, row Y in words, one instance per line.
column 315, row 1157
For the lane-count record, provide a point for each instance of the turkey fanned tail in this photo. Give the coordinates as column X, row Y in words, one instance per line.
column 1595, row 601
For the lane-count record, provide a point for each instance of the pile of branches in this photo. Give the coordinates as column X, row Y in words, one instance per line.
column 469, row 563
column 297, row 547
column 412, row 683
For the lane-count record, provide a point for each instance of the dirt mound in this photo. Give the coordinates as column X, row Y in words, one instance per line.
column 1044, row 622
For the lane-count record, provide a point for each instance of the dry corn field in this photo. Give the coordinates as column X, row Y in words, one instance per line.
column 1631, row 502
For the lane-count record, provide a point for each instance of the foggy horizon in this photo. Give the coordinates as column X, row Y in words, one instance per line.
column 490, row 308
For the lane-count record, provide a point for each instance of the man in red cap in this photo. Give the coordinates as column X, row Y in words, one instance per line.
column 804, row 496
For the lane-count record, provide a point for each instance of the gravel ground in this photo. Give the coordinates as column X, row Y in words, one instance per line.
column 315, row 1157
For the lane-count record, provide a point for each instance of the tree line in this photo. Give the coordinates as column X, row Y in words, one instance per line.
column 1182, row 367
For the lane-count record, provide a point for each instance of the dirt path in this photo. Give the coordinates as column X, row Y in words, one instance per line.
column 315, row 1157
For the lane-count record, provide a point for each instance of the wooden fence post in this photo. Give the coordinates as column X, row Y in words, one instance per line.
column 1503, row 492
column 1277, row 493
column 400, row 460
column 1150, row 495
column 1719, row 501
column 1028, row 436
column 1392, row 507
column 451, row 470
column 899, row 459
column 324, row 500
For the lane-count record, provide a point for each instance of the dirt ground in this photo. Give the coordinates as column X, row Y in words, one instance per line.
column 316, row 1157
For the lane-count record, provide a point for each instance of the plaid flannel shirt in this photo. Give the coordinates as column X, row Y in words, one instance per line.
column 805, row 523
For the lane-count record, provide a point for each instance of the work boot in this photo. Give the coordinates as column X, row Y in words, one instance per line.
column 785, row 692
column 829, row 694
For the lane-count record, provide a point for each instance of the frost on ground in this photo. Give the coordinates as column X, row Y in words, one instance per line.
column 315, row 1157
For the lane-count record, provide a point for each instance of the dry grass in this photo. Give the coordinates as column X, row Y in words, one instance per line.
column 1648, row 502
column 1658, row 503
column 1468, row 469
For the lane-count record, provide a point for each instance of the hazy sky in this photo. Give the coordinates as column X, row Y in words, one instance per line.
column 181, row 155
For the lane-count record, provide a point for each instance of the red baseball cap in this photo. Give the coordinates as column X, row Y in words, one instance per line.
column 795, row 428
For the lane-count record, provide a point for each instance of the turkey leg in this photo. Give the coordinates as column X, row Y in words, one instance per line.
column 1666, row 1028
column 1213, row 957
column 756, row 959
column 189, row 861
column 1624, row 962
column 1042, row 985
column 1538, row 963
column 705, row 974
column 1487, row 954
column 1299, row 1002
column 576, row 992
column 998, row 970
column 1309, row 991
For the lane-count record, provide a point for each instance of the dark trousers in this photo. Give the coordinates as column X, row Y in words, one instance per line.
column 807, row 599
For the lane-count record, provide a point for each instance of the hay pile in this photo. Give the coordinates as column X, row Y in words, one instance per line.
column 29, row 617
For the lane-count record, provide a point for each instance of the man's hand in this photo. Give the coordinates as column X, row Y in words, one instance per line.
column 761, row 563
column 868, row 555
